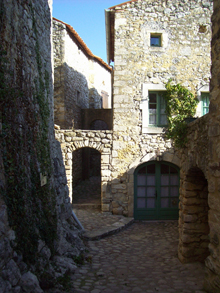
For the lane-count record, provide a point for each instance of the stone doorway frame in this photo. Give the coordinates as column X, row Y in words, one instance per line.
column 193, row 216
column 101, row 141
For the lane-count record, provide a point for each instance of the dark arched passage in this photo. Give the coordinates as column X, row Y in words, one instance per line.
column 86, row 173
column 193, row 222
column 98, row 125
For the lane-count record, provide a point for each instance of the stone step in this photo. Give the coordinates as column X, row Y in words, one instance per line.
column 87, row 206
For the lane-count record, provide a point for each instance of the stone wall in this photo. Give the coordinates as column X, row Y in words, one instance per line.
column 193, row 206
column 38, row 237
column 73, row 141
column 184, row 56
column 212, row 282
column 79, row 77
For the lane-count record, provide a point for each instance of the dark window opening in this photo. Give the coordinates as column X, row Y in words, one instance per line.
column 99, row 125
column 155, row 40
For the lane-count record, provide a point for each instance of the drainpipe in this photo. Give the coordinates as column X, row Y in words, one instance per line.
column 78, row 222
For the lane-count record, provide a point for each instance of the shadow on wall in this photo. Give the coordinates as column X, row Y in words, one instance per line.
column 71, row 96
column 97, row 119
column 86, row 173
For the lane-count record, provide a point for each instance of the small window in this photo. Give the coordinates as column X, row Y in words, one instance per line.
column 157, row 109
column 155, row 40
column 205, row 103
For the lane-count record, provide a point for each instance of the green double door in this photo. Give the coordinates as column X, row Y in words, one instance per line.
column 156, row 191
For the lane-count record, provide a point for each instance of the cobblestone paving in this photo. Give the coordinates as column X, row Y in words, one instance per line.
column 142, row 258
column 92, row 219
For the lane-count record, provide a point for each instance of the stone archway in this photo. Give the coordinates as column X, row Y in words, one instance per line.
column 193, row 217
column 98, row 125
column 101, row 141
column 86, row 168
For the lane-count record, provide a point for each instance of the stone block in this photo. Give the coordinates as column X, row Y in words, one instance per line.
column 187, row 238
column 202, row 228
column 120, row 197
column 194, row 201
column 214, row 130
column 68, row 138
column 119, row 186
column 117, row 211
column 189, row 193
column 115, row 204
column 105, row 208
column 192, row 186
column 105, row 173
column 105, row 159
column 190, row 218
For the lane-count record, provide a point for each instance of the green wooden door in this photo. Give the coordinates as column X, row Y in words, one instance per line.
column 156, row 191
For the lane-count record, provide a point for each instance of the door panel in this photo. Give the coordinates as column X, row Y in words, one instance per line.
column 156, row 191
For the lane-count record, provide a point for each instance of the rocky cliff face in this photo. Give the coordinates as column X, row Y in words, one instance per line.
column 38, row 236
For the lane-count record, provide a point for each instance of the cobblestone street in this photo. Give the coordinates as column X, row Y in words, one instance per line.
column 141, row 258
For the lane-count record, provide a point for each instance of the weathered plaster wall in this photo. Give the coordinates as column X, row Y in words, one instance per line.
column 38, row 237
column 184, row 57
column 79, row 79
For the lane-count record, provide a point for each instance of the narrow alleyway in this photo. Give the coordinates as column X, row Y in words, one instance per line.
column 141, row 258
column 88, row 192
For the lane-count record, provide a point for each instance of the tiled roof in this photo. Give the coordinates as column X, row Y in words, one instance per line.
column 79, row 41
column 128, row 2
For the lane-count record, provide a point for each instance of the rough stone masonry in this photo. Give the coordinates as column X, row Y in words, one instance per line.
column 184, row 57
column 38, row 237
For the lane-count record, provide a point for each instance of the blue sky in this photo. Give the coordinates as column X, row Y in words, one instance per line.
column 87, row 17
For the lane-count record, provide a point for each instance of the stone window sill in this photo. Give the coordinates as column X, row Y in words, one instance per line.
column 152, row 130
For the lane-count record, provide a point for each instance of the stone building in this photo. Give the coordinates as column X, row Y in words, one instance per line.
column 151, row 42
column 167, row 39
column 82, row 97
column 82, row 80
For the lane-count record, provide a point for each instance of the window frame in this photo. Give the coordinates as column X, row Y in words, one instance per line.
column 201, row 91
column 144, row 104
column 203, row 97
column 156, row 35
column 159, row 98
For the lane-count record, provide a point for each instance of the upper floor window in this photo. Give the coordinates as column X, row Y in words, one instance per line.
column 155, row 40
column 157, row 107
column 205, row 103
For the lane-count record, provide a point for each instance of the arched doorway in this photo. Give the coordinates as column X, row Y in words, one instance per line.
column 193, row 221
column 86, row 169
column 156, row 191
column 98, row 125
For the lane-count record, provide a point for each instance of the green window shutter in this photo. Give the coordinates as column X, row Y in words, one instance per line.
column 205, row 103
column 153, row 108
column 157, row 107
